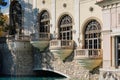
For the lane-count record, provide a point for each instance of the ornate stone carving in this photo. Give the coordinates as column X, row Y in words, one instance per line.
column 15, row 17
column 110, row 76
column 66, row 20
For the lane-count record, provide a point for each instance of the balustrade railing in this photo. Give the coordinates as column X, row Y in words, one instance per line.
column 99, row 0
column 55, row 44
column 44, row 36
column 88, row 53
column 40, row 36
column 67, row 43
column 19, row 37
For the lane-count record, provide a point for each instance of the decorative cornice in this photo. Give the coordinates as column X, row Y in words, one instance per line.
column 106, row 31
column 108, row 3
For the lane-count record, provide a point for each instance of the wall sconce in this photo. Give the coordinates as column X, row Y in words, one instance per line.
column 50, row 25
column 91, row 9
column 43, row 1
column 55, row 35
column 74, row 31
column 64, row 5
column 79, row 40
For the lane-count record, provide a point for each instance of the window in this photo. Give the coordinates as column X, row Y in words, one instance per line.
column 93, row 35
column 44, row 22
column 119, row 19
column 65, row 28
column 118, row 51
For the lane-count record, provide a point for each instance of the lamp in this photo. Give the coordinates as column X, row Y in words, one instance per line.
column 74, row 31
column 55, row 35
column 50, row 25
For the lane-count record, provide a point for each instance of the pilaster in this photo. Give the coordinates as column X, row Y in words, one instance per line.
column 53, row 28
column 76, row 29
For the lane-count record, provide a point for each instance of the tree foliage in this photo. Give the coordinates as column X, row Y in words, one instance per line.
column 4, row 22
column 0, row 1
column 3, row 19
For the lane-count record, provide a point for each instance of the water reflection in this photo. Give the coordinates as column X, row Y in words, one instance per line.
column 30, row 78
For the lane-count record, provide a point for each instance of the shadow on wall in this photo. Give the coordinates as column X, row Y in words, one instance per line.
column 43, row 59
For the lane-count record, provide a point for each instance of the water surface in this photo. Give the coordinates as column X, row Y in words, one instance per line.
column 31, row 78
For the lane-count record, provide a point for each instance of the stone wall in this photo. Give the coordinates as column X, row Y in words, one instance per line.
column 19, row 58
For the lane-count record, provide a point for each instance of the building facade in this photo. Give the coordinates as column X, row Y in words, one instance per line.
column 63, row 33
column 110, row 12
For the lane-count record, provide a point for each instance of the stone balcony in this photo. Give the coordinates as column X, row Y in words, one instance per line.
column 62, row 48
column 89, row 58
column 41, row 41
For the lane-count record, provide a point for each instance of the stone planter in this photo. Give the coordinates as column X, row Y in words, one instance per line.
column 90, row 64
column 62, row 54
column 41, row 45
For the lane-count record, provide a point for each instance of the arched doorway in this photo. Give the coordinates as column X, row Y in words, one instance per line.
column 92, row 36
column 65, row 30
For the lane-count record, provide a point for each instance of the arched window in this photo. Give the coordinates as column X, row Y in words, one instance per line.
column 15, row 16
column 44, row 22
column 93, row 35
column 65, row 28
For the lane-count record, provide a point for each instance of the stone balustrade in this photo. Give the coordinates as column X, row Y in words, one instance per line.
column 44, row 36
column 19, row 37
column 55, row 44
column 99, row 0
column 40, row 37
column 65, row 44
column 88, row 53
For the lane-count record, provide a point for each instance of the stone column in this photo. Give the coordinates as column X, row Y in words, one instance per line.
column 107, row 38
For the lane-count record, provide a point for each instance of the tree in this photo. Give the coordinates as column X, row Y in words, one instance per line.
column 4, row 21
